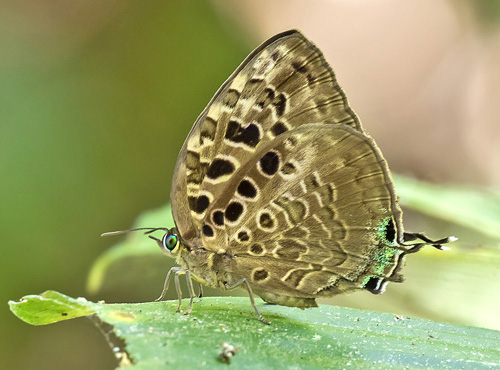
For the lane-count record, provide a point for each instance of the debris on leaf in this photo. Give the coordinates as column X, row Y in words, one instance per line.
column 228, row 351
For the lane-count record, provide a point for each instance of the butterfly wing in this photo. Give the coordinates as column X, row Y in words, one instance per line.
column 284, row 84
column 277, row 183
column 324, row 223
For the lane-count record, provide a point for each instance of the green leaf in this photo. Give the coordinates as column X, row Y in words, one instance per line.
column 474, row 208
column 326, row 337
column 50, row 307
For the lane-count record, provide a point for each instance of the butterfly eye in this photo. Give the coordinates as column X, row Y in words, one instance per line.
column 170, row 241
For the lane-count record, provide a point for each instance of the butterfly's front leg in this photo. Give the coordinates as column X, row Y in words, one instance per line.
column 167, row 282
column 178, row 287
column 179, row 271
column 192, row 294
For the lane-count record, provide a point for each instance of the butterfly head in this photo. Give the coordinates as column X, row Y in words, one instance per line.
column 169, row 243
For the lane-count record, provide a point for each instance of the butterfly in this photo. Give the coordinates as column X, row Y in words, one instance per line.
column 278, row 188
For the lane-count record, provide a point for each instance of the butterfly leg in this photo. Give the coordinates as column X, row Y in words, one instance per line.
column 167, row 282
column 179, row 271
column 244, row 282
column 192, row 294
column 200, row 295
column 178, row 288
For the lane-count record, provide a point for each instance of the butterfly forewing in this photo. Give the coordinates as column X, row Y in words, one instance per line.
column 283, row 84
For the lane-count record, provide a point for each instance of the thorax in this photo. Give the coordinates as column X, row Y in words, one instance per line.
column 207, row 267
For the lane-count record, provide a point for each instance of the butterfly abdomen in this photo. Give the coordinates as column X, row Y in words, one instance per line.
column 284, row 300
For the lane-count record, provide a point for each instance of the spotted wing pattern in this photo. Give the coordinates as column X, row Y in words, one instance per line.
column 278, row 173
column 318, row 221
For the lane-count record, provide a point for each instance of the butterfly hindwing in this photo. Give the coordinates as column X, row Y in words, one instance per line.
column 327, row 213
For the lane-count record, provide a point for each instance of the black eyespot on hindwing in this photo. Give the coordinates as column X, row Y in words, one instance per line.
column 266, row 221
column 243, row 236
column 259, row 274
column 218, row 218
column 270, row 163
column 390, row 231
column 256, row 249
column 233, row 211
column 207, row 230
column 247, row 189
column 375, row 285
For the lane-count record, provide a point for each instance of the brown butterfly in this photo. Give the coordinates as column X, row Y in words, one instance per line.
column 279, row 189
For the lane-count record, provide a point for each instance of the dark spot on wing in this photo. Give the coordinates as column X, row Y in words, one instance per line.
column 265, row 221
column 231, row 98
column 288, row 169
column 218, row 218
column 256, row 249
column 390, row 231
column 243, row 236
column 269, row 163
column 247, row 189
column 220, row 167
column 249, row 135
column 278, row 128
column 233, row 211
column 207, row 230
column 299, row 67
column 280, row 104
column 202, row 203
column 374, row 285
column 260, row 274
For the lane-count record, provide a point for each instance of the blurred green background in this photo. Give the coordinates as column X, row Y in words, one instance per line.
column 96, row 99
